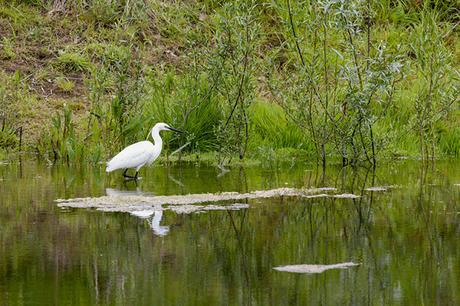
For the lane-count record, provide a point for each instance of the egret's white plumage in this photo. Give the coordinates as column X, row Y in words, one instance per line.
column 140, row 153
column 135, row 156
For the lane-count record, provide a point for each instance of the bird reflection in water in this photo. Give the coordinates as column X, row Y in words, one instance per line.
column 154, row 221
column 153, row 215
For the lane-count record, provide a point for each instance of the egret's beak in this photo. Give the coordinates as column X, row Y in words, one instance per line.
column 174, row 130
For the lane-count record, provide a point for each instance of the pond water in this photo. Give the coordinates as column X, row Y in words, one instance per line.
column 406, row 238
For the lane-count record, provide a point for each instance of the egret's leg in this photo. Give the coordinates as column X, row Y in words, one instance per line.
column 135, row 177
column 129, row 176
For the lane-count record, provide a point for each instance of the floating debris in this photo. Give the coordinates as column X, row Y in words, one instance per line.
column 128, row 203
column 382, row 188
column 326, row 189
column 346, row 196
column 321, row 195
column 150, row 207
column 122, row 202
column 188, row 209
column 314, row 268
column 376, row 188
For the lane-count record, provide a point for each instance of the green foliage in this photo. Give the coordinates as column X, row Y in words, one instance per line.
column 65, row 84
column 340, row 84
column 8, row 137
column 125, row 105
column 18, row 17
column 104, row 12
column 110, row 55
column 116, row 91
column 61, row 138
column 271, row 128
column 109, row 12
column 7, row 51
column 237, row 40
column 72, row 62
column 187, row 103
column 438, row 88
column 449, row 141
column 356, row 80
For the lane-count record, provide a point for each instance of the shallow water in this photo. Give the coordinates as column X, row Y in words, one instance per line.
column 405, row 238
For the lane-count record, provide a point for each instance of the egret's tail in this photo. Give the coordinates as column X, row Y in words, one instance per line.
column 109, row 167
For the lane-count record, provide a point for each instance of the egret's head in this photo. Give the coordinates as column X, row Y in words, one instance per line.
column 165, row 127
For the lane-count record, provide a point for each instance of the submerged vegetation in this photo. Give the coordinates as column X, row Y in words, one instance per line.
column 351, row 80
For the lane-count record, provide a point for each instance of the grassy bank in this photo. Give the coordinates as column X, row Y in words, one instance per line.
column 355, row 80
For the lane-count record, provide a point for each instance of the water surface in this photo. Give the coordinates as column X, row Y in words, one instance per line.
column 406, row 239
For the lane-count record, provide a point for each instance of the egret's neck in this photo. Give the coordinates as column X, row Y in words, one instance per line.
column 156, row 137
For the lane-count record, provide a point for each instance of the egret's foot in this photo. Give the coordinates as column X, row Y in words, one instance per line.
column 132, row 178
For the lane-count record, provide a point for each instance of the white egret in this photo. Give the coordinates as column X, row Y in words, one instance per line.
column 140, row 153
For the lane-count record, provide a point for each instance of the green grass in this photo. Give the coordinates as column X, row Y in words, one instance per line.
column 271, row 128
column 8, row 138
column 449, row 141
column 72, row 62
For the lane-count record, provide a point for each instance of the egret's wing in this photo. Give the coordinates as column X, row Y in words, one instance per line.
column 132, row 156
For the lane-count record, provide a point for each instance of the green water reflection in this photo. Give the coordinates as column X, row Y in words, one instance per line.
column 407, row 239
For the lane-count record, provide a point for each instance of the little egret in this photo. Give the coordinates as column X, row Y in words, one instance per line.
column 140, row 153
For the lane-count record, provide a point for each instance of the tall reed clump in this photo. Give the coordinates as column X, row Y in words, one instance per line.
column 60, row 140
column 340, row 82
column 437, row 82
column 11, row 89
column 9, row 139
